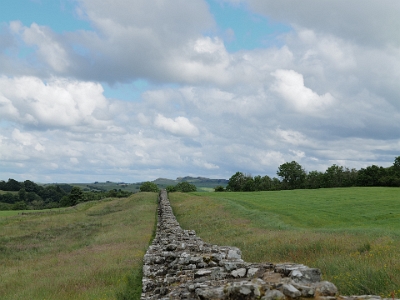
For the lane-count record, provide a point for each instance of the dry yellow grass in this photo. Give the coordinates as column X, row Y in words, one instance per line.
column 81, row 253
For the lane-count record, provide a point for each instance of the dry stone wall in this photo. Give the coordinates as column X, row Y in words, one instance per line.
column 179, row 265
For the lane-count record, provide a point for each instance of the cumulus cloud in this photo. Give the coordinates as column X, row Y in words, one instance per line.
column 55, row 103
column 135, row 39
column 366, row 21
column 179, row 125
column 290, row 85
column 49, row 47
column 323, row 97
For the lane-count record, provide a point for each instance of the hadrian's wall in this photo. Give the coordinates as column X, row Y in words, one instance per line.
column 179, row 265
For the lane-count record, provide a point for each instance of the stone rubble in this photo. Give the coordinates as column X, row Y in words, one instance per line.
column 179, row 265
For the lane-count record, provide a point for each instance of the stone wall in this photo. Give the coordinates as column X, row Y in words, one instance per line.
column 179, row 265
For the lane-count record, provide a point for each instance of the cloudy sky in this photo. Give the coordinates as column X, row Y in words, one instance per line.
column 133, row 90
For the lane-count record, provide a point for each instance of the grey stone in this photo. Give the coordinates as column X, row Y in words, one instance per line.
column 146, row 270
column 239, row 272
column 273, row 295
column 290, row 291
column 251, row 272
column 306, row 290
column 202, row 273
column 210, row 293
column 234, row 254
column 326, row 288
column 242, row 290
column 306, row 275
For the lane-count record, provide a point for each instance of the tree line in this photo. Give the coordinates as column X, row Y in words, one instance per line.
column 293, row 176
column 184, row 187
column 29, row 195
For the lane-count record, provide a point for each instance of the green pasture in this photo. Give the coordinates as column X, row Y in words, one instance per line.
column 8, row 213
column 5, row 192
column 92, row 251
column 351, row 234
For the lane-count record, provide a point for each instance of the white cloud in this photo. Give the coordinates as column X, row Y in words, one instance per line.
column 58, row 102
column 23, row 138
column 74, row 160
column 320, row 98
column 290, row 85
column 179, row 125
column 206, row 165
column 49, row 49
column 364, row 21
column 291, row 136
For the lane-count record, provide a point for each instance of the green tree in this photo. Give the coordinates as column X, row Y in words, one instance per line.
column 370, row 176
column 31, row 196
column 20, row 205
column 13, row 185
column 185, row 187
column 30, row 186
column 276, row 184
column 257, row 182
column 51, row 193
column 170, row 188
column 65, row 201
column 264, row 184
column 350, row 177
column 396, row 166
column 9, row 198
column 334, row 176
column 76, row 196
column 112, row 193
column 314, row 180
column 219, row 188
column 236, row 182
column 292, row 174
column 22, row 194
column 149, row 186
column 249, row 184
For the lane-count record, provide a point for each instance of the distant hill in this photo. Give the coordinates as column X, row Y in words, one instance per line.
column 202, row 184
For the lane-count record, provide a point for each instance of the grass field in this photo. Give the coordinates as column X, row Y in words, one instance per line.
column 5, row 192
column 9, row 213
column 351, row 234
column 91, row 252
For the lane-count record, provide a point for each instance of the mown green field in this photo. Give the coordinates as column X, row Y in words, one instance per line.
column 351, row 234
column 93, row 251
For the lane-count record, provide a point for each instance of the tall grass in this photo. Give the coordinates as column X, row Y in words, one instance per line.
column 351, row 234
column 89, row 252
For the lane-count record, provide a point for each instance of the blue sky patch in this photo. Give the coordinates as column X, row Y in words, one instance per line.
column 128, row 91
column 59, row 15
column 244, row 30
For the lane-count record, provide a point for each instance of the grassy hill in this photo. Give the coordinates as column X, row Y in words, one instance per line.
column 91, row 251
column 202, row 184
column 351, row 234
column 108, row 185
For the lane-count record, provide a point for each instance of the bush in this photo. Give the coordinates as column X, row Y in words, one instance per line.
column 149, row 187
column 170, row 189
column 219, row 188
column 20, row 205
column 185, row 187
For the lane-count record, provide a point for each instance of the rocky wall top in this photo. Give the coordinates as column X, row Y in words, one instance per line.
column 179, row 265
